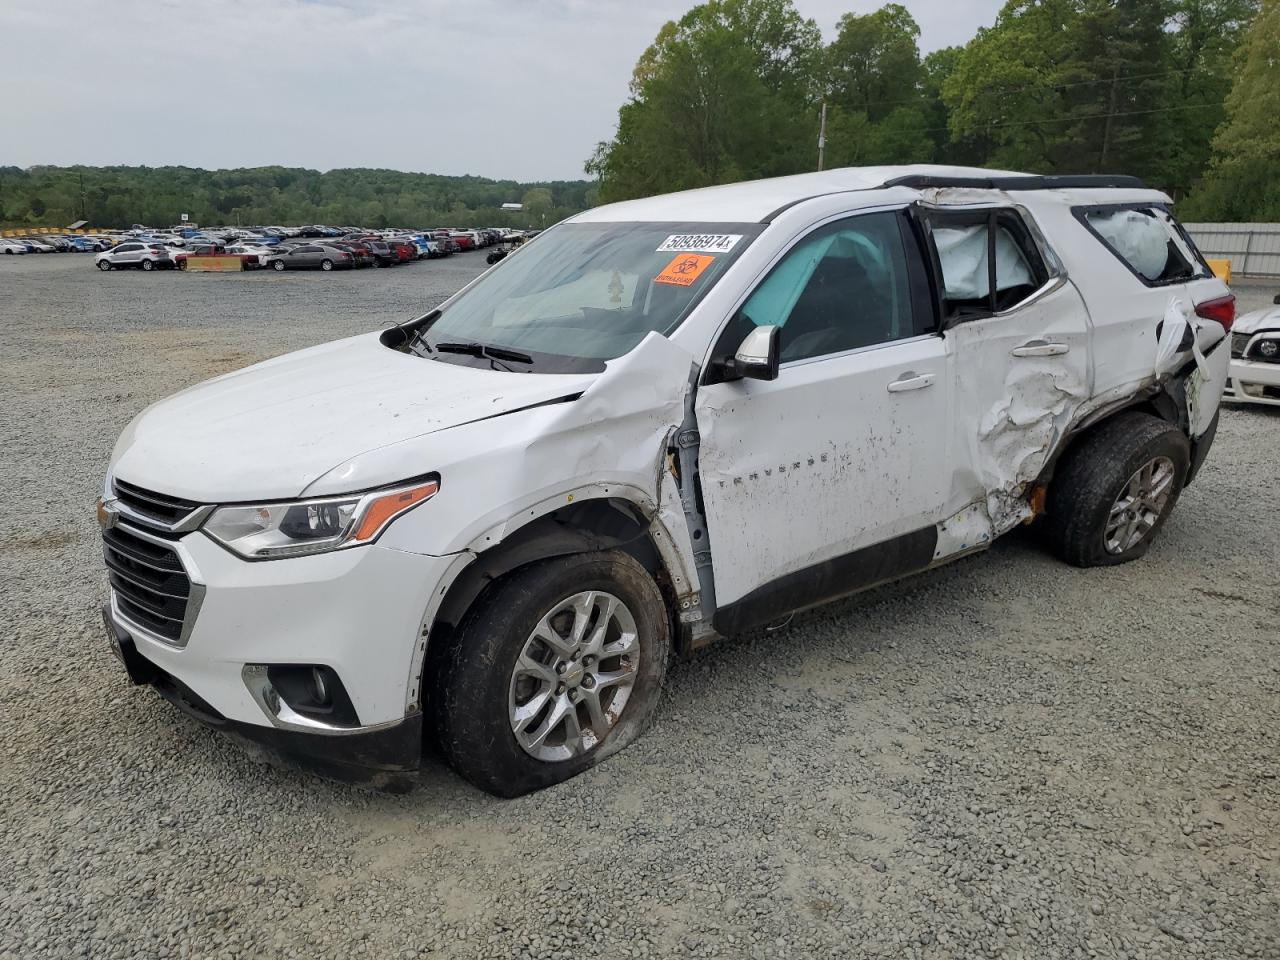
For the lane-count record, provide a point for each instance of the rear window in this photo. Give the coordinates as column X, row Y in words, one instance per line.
column 1148, row 241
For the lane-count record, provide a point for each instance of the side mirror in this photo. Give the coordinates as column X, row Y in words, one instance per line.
column 757, row 356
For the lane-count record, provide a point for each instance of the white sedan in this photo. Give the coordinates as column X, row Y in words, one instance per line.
column 264, row 252
column 12, row 246
column 1254, row 376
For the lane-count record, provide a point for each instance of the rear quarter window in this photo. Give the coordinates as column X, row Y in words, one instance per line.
column 1147, row 240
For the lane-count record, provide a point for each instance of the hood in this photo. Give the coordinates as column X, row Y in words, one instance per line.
column 268, row 431
column 1267, row 318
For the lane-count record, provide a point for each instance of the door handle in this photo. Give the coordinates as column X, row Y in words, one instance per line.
column 1041, row 348
column 911, row 381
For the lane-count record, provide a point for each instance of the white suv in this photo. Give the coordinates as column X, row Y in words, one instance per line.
column 147, row 255
column 663, row 421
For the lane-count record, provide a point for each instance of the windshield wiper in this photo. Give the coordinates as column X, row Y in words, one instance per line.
column 483, row 350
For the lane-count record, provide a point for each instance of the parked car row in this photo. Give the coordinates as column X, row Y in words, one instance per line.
column 53, row 243
column 160, row 251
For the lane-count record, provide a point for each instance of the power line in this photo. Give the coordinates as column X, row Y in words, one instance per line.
column 1053, row 86
column 1093, row 116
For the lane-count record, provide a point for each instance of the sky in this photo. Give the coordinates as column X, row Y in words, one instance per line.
column 519, row 89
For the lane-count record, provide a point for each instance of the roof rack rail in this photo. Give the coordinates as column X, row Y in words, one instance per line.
column 922, row 181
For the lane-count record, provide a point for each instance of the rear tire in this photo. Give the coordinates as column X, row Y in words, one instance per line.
column 499, row 683
column 104, row 265
column 277, row 265
column 1114, row 490
column 326, row 264
column 148, row 265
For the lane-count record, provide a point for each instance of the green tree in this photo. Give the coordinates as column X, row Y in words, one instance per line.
column 1008, row 82
column 875, row 81
column 873, row 65
column 1205, row 36
column 1243, row 181
column 726, row 93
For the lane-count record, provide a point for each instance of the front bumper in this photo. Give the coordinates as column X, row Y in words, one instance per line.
column 1253, row 381
column 358, row 612
column 384, row 756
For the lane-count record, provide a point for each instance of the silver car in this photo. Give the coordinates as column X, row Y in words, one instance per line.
column 135, row 253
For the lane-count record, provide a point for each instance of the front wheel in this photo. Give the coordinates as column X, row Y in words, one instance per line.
column 326, row 264
column 148, row 265
column 558, row 665
column 104, row 265
column 277, row 264
column 1115, row 489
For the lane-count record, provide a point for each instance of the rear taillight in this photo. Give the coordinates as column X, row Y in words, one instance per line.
column 1222, row 310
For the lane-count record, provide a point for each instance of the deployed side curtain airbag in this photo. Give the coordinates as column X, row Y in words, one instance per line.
column 962, row 252
column 1137, row 236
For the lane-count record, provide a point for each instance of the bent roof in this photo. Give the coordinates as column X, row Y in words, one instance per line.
column 754, row 200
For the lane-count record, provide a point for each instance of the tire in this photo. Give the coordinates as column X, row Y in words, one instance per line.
column 477, row 688
column 277, row 265
column 182, row 264
column 104, row 265
column 148, row 265
column 326, row 264
column 1086, row 522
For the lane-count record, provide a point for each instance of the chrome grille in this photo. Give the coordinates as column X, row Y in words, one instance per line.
column 150, row 585
column 159, row 508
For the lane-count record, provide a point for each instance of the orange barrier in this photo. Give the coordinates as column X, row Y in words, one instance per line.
column 1221, row 269
column 232, row 264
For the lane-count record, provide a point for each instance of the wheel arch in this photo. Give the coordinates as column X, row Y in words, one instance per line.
column 580, row 526
column 1155, row 400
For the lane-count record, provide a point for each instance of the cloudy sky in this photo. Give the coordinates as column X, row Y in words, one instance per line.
column 500, row 88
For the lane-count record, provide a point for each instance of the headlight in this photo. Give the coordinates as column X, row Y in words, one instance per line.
column 266, row 531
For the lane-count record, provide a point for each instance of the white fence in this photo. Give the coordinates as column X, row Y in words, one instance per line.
column 1252, row 248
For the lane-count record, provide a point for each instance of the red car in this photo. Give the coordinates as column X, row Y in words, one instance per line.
column 403, row 249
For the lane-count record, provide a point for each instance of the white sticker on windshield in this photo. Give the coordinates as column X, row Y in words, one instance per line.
column 700, row 242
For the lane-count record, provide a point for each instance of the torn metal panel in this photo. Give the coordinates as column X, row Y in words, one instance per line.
column 678, row 484
column 970, row 529
column 1014, row 401
column 1207, row 378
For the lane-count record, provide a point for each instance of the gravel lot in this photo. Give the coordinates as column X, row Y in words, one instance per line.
column 1004, row 758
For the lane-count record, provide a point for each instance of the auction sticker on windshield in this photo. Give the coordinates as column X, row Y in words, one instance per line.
column 684, row 269
column 700, row 242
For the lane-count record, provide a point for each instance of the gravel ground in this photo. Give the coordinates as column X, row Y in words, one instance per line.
column 1004, row 758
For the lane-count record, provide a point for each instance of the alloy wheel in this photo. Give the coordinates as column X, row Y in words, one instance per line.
column 1139, row 506
column 574, row 676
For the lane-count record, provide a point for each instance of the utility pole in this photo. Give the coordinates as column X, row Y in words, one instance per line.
column 1111, row 112
column 822, row 136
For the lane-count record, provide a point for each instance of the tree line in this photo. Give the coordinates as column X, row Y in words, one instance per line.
column 1183, row 93
column 158, row 196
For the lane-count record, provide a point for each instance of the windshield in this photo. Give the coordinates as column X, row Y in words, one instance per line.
column 584, row 293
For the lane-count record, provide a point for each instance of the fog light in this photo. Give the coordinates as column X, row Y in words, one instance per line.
column 314, row 691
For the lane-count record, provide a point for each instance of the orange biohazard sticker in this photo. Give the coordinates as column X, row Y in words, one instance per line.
column 684, row 269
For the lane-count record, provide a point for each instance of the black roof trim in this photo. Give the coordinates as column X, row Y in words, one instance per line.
column 922, row 181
